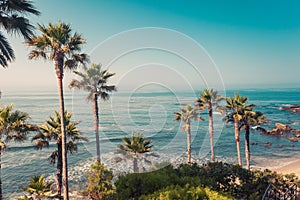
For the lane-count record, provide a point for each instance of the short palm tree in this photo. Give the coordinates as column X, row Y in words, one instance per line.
column 38, row 187
column 14, row 126
column 135, row 146
column 236, row 107
column 250, row 118
column 57, row 43
column 186, row 115
column 94, row 80
column 12, row 20
column 210, row 99
column 51, row 132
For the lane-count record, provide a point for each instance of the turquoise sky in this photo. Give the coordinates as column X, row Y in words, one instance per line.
column 255, row 43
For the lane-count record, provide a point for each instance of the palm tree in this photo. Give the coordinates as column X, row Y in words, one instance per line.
column 56, row 43
column 94, row 80
column 51, row 131
column 235, row 109
column 13, row 127
column 210, row 99
column 12, row 19
column 135, row 146
column 186, row 115
column 38, row 187
column 250, row 118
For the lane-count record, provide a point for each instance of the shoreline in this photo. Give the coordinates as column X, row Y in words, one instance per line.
column 288, row 168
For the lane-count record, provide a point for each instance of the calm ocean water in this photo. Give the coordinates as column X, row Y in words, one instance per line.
column 150, row 113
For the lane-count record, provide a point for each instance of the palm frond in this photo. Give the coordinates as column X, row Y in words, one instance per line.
column 7, row 53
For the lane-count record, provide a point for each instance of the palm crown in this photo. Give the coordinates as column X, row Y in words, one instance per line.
column 14, row 125
column 187, row 113
column 137, row 144
column 236, row 107
column 51, row 131
column 57, row 43
column 94, row 80
column 209, row 97
column 12, row 20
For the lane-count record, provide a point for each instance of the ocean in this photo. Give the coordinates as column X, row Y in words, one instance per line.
column 150, row 113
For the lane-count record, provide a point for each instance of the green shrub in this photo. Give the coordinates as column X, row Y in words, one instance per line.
column 185, row 193
column 134, row 185
column 99, row 182
column 223, row 178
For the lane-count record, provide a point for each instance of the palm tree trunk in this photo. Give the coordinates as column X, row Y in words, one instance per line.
column 59, row 167
column 59, row 72
column 0, row 175
column 188, row 136
column 96, row 125
column 135, row 165
column 211, row 132
column 237, row 140
column 247, row 147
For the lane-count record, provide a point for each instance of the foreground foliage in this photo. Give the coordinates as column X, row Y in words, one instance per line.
column 230, row 181
column 185, row 193
column 100, row 182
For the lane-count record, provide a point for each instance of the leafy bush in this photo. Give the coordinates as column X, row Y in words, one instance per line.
column 99, row 182
column 223, row 178
column 185, row 193
column 134, row 185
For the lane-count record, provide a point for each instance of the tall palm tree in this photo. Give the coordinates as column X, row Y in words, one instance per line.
column 135, row 146
column 250, row 118
column 186, row 115
column 210, row 99
column 51, row 131
column 94, row 80
column 56, row 43
column 235, row 109
column 13, row 20
column 13, row 127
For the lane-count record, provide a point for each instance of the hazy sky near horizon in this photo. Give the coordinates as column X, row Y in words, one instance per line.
column 253, row 43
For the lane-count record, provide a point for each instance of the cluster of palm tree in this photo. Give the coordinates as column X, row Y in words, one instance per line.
column 243, row 117
column 56, row 43
column 236, row 111
column 13, row 20
column 208, row 99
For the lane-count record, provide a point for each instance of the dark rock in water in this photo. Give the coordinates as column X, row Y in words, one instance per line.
column 292, row 139
column 253, row 143
column 279, row 130
column 297, row 134
column 267, row 144
column 293, row 108
column 282, row 127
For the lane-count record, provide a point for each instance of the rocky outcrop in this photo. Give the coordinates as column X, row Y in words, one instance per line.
column 282, row 130
column 293, row 108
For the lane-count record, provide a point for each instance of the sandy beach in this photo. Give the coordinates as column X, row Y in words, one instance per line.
column 292, row 167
